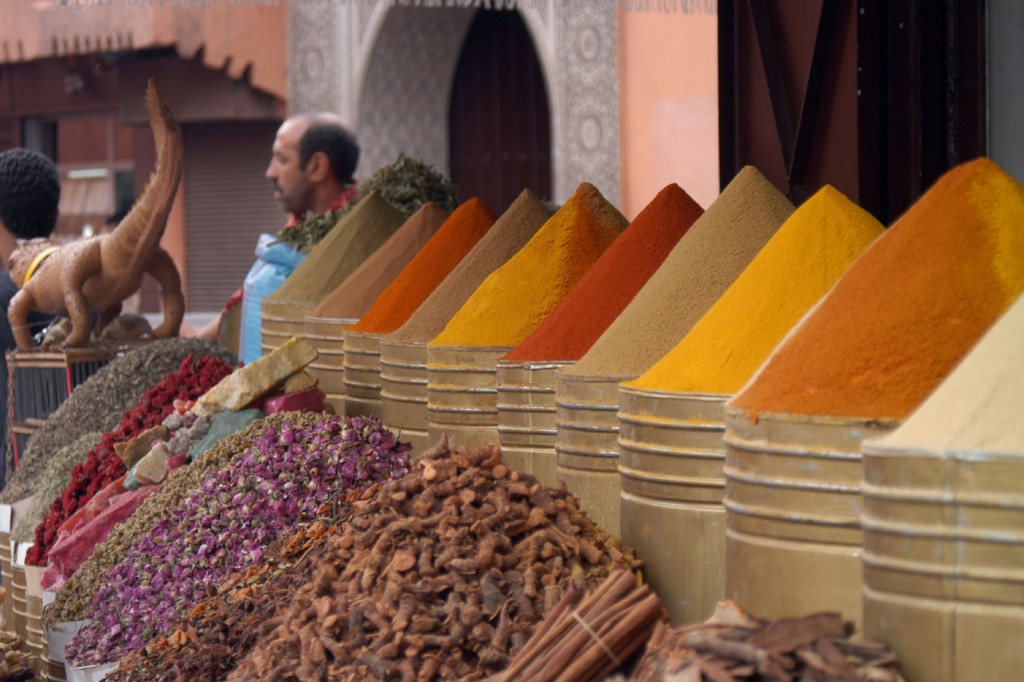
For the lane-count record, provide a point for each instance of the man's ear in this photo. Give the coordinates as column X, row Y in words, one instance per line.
column 318, row 168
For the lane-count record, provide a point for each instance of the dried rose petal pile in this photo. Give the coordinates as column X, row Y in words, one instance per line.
column 224, row 526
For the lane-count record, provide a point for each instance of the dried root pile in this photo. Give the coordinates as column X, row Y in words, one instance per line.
column 731, row 647
column 443, row 574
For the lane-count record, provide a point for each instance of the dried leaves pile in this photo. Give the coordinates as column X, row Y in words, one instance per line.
column 443, row 573
column 98, row 403
column 51, row 483
column 731, row 647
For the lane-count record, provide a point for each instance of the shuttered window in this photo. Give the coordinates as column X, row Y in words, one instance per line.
column 228, row 204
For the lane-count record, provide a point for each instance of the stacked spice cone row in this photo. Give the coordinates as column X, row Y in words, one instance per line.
column 588, row 637
column 732, row 646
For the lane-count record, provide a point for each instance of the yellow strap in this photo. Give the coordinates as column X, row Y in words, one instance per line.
column 37, row 261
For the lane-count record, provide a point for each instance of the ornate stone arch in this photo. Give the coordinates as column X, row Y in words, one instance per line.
column 389, row 69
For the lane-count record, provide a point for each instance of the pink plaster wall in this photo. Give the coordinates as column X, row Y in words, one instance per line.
column 668, row 88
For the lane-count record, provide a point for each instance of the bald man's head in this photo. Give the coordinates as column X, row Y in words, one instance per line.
column 326, row 132
column 314, row 158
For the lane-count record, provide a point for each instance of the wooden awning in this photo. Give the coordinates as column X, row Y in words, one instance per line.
column 88, row 200
column 244, row 39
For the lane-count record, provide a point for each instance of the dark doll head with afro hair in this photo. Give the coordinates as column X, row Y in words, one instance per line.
column 29, row 193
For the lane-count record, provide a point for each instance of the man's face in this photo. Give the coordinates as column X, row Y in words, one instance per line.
column 290, row 184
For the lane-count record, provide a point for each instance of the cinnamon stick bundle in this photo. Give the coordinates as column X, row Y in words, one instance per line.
column 589, row 635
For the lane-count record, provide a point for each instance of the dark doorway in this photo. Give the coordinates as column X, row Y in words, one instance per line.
column 877, row 98
column 499, row 125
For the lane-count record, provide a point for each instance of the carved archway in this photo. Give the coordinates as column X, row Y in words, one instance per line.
column 389, row 69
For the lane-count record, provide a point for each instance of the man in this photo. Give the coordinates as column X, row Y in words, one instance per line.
column 29, row 197
column 312, row 163
column 312, row 166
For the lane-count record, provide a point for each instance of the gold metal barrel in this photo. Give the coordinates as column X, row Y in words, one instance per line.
column 586, row 444
column 793, row 504
column 462, row 393
column 403, row 390
column 362, row 374
column 280, row 321
column 327, row 334
column 526, row 417
column 944, row 561
column 19, row 596
column 671, row 456
column 7, row 573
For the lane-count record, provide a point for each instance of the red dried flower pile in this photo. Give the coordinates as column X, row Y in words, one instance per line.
column 102, row 465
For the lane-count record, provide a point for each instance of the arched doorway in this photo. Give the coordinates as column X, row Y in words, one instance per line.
column 499, row 119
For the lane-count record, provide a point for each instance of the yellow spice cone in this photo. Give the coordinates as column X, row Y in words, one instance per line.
column 798, row 265
column 516, row 297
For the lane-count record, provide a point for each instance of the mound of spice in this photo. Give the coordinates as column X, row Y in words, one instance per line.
column 516, row 297
column 703, row 264
column 507, row 236
column 607, row 287
column 337, row 255
column 102, row 465
column 99, row 403
column 52, row 483
column 356, row 294
column 442, row 253
column 798, row 265
column 75, row 596
column 226, row 525
column 442, row 574
column 221, row 629
column 908, row 310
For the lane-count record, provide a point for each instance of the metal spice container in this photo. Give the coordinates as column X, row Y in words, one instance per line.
column 403, row 392
column 526, row 417
column 793, row 507
column 462, row 392
column 670, row 467
column 327, row 335
column 586, row 444
column 362, row 374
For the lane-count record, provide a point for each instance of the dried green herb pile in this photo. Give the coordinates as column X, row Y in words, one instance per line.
column 443, row 574
column 75, row 596
column 54, row 479
column 406, row 185
column 99, row 403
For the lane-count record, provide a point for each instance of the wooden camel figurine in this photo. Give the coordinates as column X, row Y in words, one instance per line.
column 98, row 273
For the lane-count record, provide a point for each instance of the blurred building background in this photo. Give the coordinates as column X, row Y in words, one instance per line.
column 875, row 97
